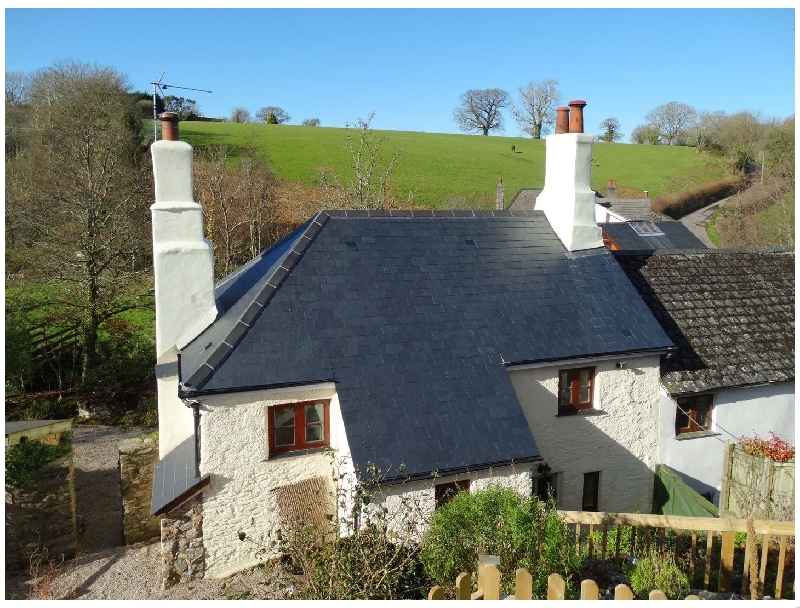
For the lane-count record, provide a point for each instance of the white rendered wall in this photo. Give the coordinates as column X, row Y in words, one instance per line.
column 567, row 199
column 737, row 412
column 234, row 450
column 420, row 496
column 619, row 437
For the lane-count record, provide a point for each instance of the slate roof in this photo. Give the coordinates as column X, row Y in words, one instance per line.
column 415, row 316
column 731, row 314
column 632, row 209
column 674, row 235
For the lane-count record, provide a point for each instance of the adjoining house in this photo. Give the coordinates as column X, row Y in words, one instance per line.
column 731, row 315
column 646, row 236
column 433, row 348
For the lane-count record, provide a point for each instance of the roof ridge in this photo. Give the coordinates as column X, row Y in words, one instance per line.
column 427, row 213
column 251, row 314
column 699, row 251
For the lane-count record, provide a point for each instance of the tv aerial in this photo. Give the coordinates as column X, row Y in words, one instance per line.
column 162, row 86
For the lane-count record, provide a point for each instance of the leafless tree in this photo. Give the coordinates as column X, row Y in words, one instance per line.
column 645, row 134
column 366, row 185
column 279, row 113
column 610, row 128
column 480, row 110
column 80, row 192
column 240, row 114
column 17, row 88
column 311, row 122
column 673, row 120
column 536, row 108
column 739, row 137
column 701, row 133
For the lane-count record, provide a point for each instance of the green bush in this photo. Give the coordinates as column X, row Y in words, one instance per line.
column 24, row 459
column 524, row 533
column 659, row 571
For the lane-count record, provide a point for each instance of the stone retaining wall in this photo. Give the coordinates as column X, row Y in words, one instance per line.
column 137, row 459
column 182, row 553
column 40, row 518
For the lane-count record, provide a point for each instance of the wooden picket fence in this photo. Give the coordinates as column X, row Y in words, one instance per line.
column 646, row 532
column 489, row 587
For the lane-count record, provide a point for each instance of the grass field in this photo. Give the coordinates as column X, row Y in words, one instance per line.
column 443, row 167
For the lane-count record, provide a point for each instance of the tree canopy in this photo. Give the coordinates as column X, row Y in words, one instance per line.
column 480, row 110
column 610, row 128
column 536, row 108
column 279, row 114
column 673, row 121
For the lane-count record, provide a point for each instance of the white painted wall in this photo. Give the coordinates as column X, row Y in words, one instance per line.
column 619, row 437
column 737, row 412
column 567, row 199
column 603, row 215
column 235, row 451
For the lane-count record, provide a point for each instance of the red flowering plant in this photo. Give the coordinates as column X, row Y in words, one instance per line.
column 775, row 448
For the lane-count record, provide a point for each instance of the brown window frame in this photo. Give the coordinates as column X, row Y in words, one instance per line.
column 300, row 425
column 593, row 504
column 575, row 388
column 444, row 492
column 689, row 405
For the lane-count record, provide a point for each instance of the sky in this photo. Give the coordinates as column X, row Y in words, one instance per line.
column 410, row 66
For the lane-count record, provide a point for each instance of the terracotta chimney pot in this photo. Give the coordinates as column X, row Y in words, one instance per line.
column 576, row 115
column 169, row 126
column 562, row 120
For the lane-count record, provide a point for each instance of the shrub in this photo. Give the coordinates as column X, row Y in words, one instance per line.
column 775, row 448
column 659, row 571
column 24, row 459
column 678, row 205
column 524, row 533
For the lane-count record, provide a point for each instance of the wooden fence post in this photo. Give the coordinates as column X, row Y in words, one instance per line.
column 655, row 594
column 524, row 589
column 726, row 562
column 589, row 590
column 491, row 582
column 555, row 587
column 437, row 593
column 483, row 561
column 725, row 490
column 463, row 586
column 623, row 592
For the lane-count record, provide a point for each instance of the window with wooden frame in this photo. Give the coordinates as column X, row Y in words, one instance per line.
column 446, row 491
column 591, row 491
column 694, row 413
column 299, row 426
column 575, row 389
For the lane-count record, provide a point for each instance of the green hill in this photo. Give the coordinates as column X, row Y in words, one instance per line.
column 439, row 168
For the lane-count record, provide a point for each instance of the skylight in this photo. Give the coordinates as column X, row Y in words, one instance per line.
column 646, row 229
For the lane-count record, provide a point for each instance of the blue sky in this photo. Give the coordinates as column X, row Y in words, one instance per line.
column 410, row 66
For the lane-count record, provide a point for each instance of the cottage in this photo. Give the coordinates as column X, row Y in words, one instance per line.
column 731, row 315
column 433, row 349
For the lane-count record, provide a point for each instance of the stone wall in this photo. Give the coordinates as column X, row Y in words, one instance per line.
column 182, row 551
column 137, row 459
column 40, row 518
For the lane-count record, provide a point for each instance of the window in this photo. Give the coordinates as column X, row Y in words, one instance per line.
column 298, row 426
column 446, row 491
column 694, row 413
column 546, row 487
column 575, row 388
column 591, row 491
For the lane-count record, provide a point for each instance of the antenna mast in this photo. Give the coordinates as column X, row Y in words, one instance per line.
column 159, row 86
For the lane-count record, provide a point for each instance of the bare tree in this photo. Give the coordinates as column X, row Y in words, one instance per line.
column 80, row 193
column 311, row 122
column 279, row 113
column 673, row 120
column 645, row 134
column 17, row 88
column 536, row 107
column 366, row 186
column 739, row 137
column 480, row 110
column 701, row 133
column 240, row 114
column 610, row 128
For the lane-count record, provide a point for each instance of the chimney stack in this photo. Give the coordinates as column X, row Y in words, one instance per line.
column 611, row 189
column 568, row 199
column 169, row 126
column 576, row 115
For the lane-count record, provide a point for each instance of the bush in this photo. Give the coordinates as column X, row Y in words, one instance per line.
column 24, row 459
column 524, row 533
column 659, row 571
column 678, row 205
column 775, row 448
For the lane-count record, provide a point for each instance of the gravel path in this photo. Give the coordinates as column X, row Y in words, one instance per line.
column 104, row 569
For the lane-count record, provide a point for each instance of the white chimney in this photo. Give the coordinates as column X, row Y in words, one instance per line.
column 183, row 261
column 568, row 199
